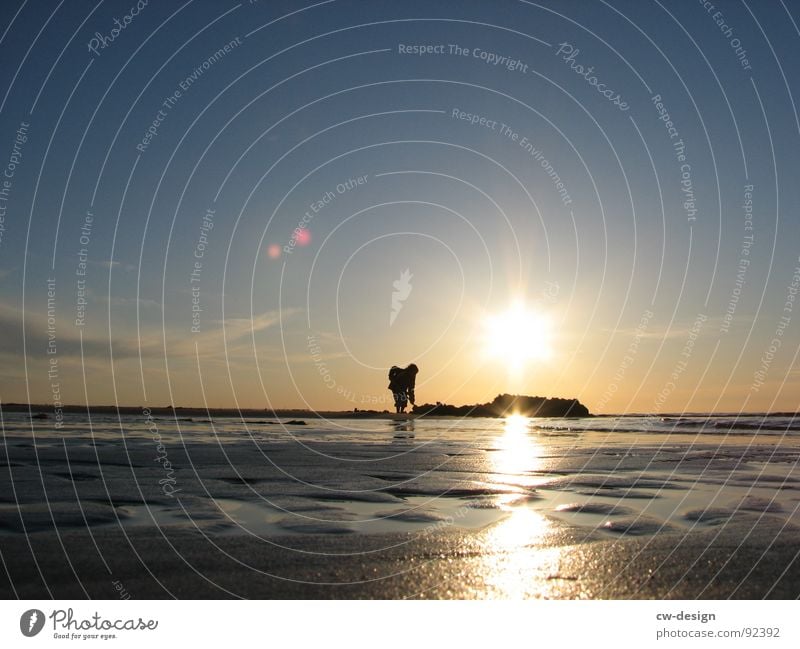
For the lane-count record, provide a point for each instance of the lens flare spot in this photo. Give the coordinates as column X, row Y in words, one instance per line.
column 303, row 236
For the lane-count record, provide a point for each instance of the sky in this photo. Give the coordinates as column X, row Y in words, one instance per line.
column 268, row 204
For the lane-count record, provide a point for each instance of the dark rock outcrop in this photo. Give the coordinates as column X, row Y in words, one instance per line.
column 506, row 404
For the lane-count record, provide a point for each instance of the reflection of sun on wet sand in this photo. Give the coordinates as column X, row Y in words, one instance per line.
column 571, row 508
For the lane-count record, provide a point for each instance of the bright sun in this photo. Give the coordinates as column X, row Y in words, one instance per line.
column 517, row 336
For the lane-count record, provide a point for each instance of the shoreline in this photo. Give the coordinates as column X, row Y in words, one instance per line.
column 299, row 413
column 191, row 411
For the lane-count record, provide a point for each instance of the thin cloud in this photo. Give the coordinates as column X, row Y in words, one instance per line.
column 230, row 332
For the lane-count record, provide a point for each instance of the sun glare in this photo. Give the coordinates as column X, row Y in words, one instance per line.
column 516, row 424
column 517, row 336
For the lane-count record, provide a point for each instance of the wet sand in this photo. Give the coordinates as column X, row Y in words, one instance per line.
column 447, row 564
column 405, row 512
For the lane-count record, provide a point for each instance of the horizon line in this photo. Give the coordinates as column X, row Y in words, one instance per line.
column 82, row 407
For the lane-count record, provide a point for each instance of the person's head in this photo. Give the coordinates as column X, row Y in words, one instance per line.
column 412, row 368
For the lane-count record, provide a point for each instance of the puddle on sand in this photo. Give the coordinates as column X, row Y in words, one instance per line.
column 138, row 515
column 415, row 514
column 677, row 508
column 696, row 505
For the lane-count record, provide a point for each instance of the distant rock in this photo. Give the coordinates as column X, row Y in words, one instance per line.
column 506, row 404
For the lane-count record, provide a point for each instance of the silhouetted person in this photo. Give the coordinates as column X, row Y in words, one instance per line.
column 401, row 383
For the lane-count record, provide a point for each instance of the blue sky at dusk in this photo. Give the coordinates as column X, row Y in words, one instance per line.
column 647, row 209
